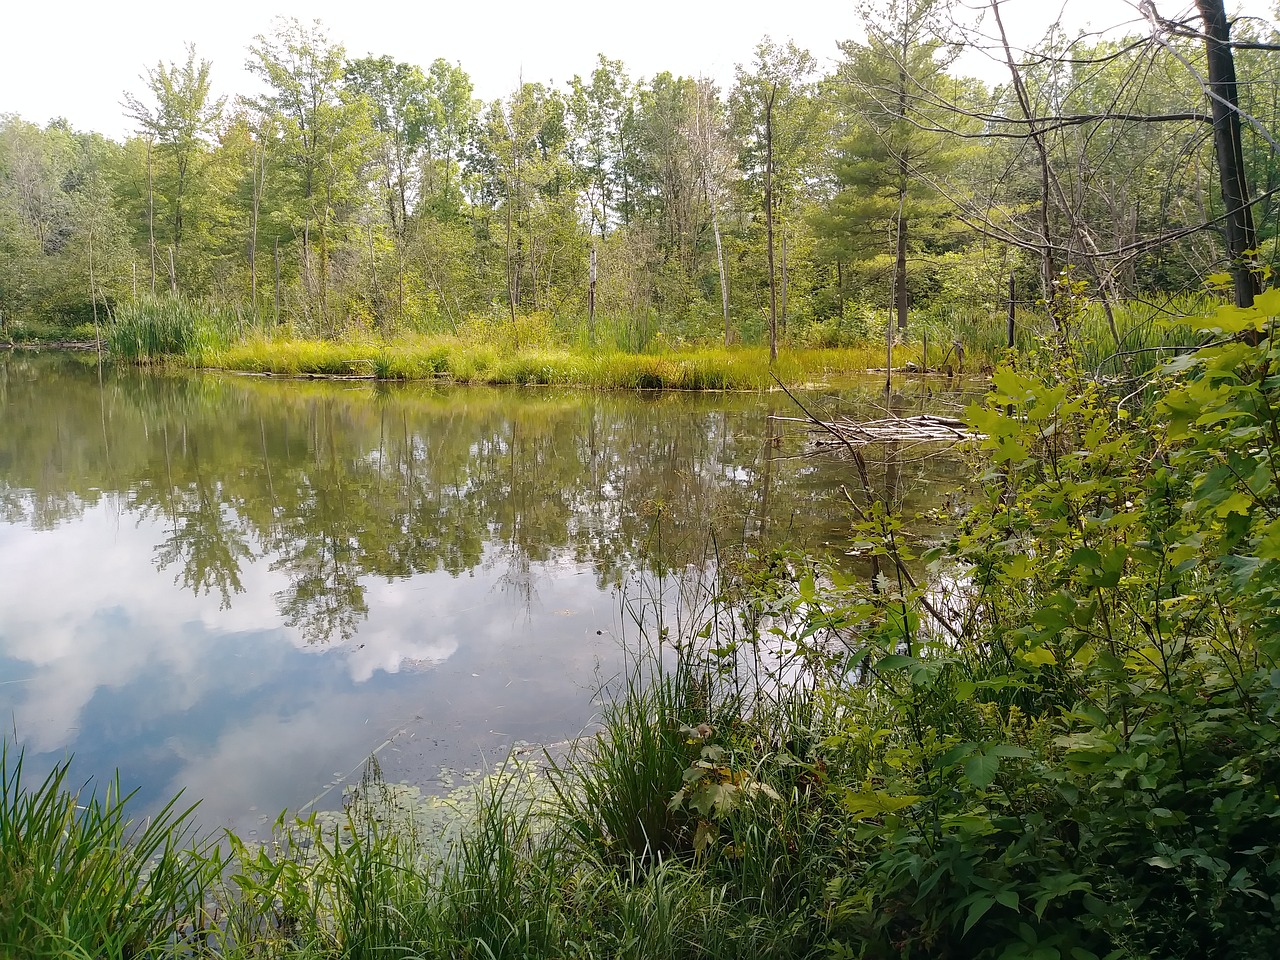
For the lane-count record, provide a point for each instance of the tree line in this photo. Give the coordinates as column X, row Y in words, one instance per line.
column 363, row 194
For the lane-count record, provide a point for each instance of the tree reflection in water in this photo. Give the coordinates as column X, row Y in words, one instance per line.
column 335, row 485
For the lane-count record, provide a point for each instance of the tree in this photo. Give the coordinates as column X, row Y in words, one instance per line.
column 710, row 152
column 776, row 118
column 449, row 122
column 397, row 97
column 889, row 160
column 521, row 155
column 180, row 121
column 1224, row 102
column 324, row 135
column 602, row 114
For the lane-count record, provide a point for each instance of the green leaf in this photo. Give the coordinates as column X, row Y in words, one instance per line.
column 981, row 769
column 894, row 661
column 1008, row 898
column 977, row 910
column 875, row 803
column 1012, row 750
column 1037, row 657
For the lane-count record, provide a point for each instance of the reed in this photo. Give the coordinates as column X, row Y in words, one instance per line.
column 465, row 361
column 157, row 328
column 80, row 879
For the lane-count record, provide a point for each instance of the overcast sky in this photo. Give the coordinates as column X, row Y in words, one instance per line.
column 76, row 59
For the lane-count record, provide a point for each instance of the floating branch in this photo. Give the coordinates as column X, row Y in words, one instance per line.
column 923, row 428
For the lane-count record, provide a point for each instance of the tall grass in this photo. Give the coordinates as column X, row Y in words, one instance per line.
column 589, row 858
column 156, row 328
column 462, row 361
column 615, row 791
column 1152, row 332
column 79, row 879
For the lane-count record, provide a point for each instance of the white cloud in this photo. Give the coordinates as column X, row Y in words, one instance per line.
column 241, row 710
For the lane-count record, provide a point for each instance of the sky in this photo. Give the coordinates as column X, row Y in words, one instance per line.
column 76, row 59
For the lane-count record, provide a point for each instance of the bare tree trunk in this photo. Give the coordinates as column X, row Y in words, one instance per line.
column 705, row 153
column 307, row 283
column 782, row 294
column 512, row 292
column 1225, row 104
column 768, row 220
column 259, row 183
column 591, row 295
column 1051, row 190
column 93, row 299
column 324, row 248
column 904, row 174
column 724, row 280
column 373, row 277
column 400, row 272
column 1047, row 268
column 277, row 263
column 900, row 263
column 151, row 218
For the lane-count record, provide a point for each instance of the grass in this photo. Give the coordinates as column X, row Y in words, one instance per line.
column 461, row 361
column 155, row 328
column 588, row 858
column 537, row 352
column 79, row 879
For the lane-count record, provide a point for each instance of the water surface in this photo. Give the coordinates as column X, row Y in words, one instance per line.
column 243, row 587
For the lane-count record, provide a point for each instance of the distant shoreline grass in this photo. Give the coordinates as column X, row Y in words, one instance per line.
column 534, row 350
column 456, row 360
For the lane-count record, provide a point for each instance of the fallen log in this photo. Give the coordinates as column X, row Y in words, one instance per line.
column 923, row 428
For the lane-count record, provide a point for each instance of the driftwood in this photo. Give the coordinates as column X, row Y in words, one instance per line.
column 923, row 428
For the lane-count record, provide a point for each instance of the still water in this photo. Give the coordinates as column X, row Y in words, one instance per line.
column 242, row 588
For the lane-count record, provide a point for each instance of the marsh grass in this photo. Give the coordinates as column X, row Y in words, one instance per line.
column 80, row 879
column 615, row 790
column 1151, row 333
column 158, row 328
column 587, row 858
column 480, row 362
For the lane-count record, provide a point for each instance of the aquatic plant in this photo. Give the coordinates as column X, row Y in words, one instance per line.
column 79, row 878
column 153, row 328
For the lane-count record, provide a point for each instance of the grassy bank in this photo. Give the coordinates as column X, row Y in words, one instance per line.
column 467, row 361
column 1062, row 745
column 533, row 350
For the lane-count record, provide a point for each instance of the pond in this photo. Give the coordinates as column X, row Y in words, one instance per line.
column 243, row 587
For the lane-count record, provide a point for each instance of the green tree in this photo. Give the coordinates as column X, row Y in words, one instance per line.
column 324, row 139
column 180, row 120
column 451, row 111
column 397, row 96
column 890, row 156
column 601, row 113
column 776, row 118
column 528, row 183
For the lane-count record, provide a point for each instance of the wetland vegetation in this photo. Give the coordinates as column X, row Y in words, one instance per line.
column 1014, row 699
column 1061, row 743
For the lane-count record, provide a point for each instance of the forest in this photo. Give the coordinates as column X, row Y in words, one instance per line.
column 360, row 196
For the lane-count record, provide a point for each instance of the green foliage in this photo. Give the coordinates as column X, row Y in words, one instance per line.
column 1084, row 762
column 488, row 355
